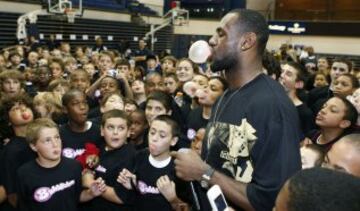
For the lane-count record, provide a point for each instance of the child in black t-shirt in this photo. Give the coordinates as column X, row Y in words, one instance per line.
column 293, row 77
column 78, row 130
column 335, row 119
column 51, row 182
column 160, row 103
column 115, row 154
column 16, row 111
column 138, row 129
column 111, row 101
column 154, row 173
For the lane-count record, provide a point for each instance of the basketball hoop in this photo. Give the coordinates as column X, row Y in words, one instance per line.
column 177, row 16
column 70, row 14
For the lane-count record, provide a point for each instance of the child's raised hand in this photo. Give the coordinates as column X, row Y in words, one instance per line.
column 125, row 178
column 166, row 188
column 98, row 187
column 121, row 76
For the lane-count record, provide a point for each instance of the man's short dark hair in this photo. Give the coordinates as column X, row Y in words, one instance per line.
column 253, row 21
column 323, row 189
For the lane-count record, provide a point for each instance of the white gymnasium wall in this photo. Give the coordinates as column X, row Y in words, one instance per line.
column 321, row 44
column 7, row 6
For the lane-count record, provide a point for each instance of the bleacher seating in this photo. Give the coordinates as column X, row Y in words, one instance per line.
column 118, row 30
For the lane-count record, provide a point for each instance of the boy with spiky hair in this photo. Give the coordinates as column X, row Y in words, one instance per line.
column 51, row 182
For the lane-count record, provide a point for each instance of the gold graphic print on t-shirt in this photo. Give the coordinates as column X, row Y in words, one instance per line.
column 239, row 141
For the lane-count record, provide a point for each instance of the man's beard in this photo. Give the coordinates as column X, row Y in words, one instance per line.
column 226, row 63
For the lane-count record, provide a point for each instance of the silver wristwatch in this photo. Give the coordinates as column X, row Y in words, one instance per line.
column 205, row 178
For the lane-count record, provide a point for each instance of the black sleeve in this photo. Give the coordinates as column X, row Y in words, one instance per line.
column 275, row 157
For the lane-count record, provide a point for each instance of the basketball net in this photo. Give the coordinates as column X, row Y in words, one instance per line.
column 70, row 14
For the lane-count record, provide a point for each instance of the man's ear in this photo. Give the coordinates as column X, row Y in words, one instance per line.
column 299, row 84
column 248, row 41
column 344, row 124
column 169, row 112
column 174, row 140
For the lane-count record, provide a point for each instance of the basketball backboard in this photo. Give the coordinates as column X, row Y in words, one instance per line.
column 68, row 8
column 177, row 16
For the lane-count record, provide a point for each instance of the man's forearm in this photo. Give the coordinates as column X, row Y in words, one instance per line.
column 233, row 190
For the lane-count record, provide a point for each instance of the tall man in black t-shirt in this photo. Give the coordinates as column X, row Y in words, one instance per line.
column 252, row 140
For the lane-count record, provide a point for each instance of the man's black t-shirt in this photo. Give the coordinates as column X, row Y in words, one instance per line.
column 56, row 188
column 16, row 153
column 111, row 164
column 148, row 196
column 74, row 142
column 253, row 137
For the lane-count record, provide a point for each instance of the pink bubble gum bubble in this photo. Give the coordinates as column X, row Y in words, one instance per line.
column 199, row 52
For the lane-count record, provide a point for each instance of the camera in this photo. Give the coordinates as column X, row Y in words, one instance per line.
column 113, row 73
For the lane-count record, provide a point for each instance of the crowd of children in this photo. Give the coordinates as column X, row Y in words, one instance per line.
column 55, row 103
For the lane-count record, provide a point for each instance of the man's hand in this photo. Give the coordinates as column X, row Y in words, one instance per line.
column 126, row 178
column 166, row 188
column 188, row 165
